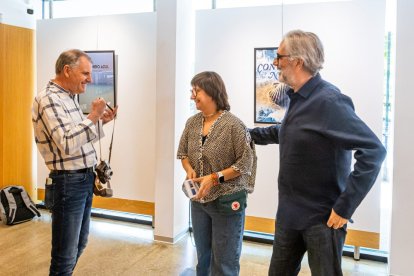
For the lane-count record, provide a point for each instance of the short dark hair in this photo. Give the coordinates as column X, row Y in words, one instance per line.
column 213, row 85
column 71, row 58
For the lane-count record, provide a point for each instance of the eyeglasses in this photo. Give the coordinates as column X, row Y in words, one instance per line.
column 194, row 91
column 279, row 56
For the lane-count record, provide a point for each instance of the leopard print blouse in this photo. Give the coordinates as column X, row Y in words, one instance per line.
column 228, row 144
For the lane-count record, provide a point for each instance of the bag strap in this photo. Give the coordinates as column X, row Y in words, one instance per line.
column 3, row 216
column 12, row 204
column 28, row 202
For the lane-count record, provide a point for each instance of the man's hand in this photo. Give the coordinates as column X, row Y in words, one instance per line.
column 109, row 114
column 97, row 110
column 336, row 221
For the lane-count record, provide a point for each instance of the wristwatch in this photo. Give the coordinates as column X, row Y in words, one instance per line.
column 220, row 177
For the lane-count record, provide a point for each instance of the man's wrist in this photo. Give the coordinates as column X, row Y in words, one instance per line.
column 93, row 117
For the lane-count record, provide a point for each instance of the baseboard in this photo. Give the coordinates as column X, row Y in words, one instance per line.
column 116, row 204
column 353, row 237
column 169, row 239
column 258, row 224
column 254, row 224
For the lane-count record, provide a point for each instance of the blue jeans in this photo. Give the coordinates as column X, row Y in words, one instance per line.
column 71, row 209
column 218, row 238
column 324, row 246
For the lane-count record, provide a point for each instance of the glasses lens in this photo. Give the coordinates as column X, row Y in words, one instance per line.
column 279, row 56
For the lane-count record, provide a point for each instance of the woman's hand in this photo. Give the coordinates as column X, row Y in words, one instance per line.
column 188, row 169
column 190, row 173
column 206, row 182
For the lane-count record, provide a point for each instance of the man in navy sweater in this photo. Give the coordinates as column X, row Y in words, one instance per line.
column 318, row 192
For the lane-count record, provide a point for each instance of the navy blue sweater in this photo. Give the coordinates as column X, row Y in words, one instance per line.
column 316, row 139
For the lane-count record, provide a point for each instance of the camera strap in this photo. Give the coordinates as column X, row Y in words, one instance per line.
column 112, row 140
column 110, row 146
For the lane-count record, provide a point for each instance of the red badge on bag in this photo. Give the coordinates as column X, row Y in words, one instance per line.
column 235, row 205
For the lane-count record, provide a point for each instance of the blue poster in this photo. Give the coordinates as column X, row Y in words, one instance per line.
column 271, row 100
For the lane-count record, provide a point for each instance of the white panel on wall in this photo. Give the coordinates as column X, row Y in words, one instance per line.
column 225, row 39
column 353, row 36
column 133, row 37
column 402, row 239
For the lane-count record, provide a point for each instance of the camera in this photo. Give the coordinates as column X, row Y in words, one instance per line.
column 100, row 190
column 103, row 175
column 104, row 171
column 190, row 188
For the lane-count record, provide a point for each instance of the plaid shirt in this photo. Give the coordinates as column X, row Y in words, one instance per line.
column 62, row 133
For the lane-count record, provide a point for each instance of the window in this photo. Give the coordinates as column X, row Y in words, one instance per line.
column 78, row 8
column 202, row 4
column 252, row 3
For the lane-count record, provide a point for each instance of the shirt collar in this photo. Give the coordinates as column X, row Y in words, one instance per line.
column 307, row 88
column 61, row 89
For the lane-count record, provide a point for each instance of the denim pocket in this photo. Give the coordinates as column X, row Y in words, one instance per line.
column 50, row 196
column 76, row 177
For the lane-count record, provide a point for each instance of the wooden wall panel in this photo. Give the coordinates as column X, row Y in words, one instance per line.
column 257, row 224
column 354, row 237
column 116, row 204
column 2, row 53
column 17, row 93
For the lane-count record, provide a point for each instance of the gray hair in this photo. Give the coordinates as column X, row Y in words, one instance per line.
column 307, row 47
column 71, row 58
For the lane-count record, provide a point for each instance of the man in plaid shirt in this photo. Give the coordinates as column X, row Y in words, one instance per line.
column 64, row 138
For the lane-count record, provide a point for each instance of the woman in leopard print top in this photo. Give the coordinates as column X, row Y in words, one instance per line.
column 216, row 151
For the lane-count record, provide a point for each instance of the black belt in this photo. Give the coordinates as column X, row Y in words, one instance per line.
column 86, row 170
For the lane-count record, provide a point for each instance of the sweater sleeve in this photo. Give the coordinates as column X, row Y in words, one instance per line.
column 349, row 132
column 265, row 135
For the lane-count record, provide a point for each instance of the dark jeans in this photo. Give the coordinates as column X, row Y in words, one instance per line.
column 218, row 238
column 324, row 246
column 71, row 210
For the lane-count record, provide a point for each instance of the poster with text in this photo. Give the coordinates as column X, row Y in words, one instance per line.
column 103, row 80
column 270, row 98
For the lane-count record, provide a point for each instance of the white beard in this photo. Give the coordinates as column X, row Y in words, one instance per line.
column 282, row 78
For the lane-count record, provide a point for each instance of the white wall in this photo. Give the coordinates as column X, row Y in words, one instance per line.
column 353, row 37
column 14, row 12
column 133, row 37
column 402, row 239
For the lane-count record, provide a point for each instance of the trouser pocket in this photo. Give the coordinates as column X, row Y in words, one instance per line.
column 50, row 195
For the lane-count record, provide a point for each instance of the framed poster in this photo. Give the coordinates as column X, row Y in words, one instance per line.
column 270, row 98
column 103, row 80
